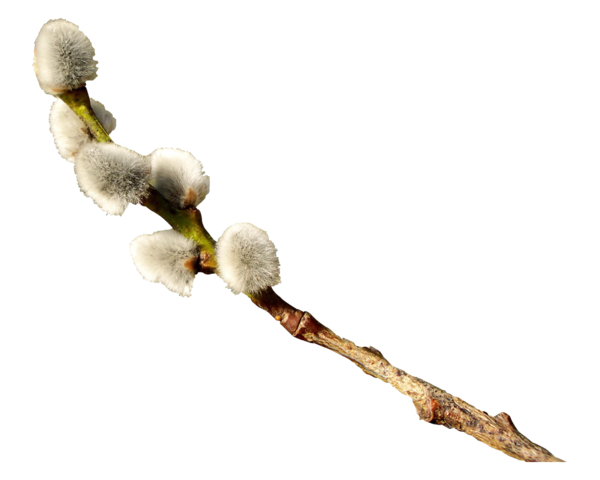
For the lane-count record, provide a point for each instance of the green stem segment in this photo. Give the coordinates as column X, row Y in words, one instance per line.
column 188, row 222
column 79, row 101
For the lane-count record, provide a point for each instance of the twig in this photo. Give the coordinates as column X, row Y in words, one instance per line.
column 431, row 403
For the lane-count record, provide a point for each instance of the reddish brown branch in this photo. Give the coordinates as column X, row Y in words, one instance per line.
column 433, row 404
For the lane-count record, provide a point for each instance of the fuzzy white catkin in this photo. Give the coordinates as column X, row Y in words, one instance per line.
column 162, row 256
column 113, row 176
column 69, row 131
column 179, row 177
column 247, row 259
column 63, row 57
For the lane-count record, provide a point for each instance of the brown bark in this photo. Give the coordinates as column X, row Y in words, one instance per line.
column 433, row 404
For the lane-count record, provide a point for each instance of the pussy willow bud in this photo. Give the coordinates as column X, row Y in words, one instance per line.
column 167, row 257
column 247, row 259
column 179, row 177
column 112, row 176
column 63, row 57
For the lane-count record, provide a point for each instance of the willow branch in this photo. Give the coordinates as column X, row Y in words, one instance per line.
column 433, row 404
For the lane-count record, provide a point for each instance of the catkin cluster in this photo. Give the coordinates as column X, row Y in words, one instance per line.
column 114, row 177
